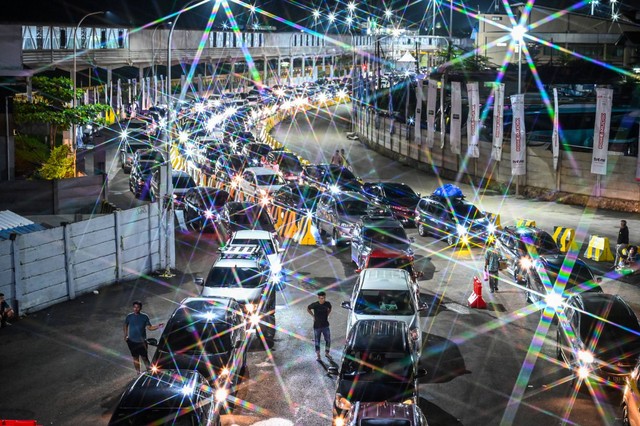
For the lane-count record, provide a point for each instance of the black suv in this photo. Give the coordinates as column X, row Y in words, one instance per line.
column 544, row 274
column 337, row 214
column 145, row 163
column 453, row 219
column 331, row 177
column 206, row 334
column 237, row 215
column 399, row 197
column 378, row 232
column 519, row 245
column 202, row 207
column 168, row 397
column 379, row 363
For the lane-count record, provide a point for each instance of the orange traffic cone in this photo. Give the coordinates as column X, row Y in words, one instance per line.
column 475, row 300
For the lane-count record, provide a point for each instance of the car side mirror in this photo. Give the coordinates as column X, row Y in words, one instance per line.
column 152, row 341
column 598, row 280
column 358, row 270
column 237, row 344
column 423, row 306
column 346, row 305
column 421, row 373
column 198, row 281
column 281, row 250
column 333, row 371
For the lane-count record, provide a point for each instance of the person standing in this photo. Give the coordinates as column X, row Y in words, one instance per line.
column 6, row 311
column 136, row 325
column 492, row 266
column 320, row 311
column 622, row 242
column 337, row 158
column 345, row 162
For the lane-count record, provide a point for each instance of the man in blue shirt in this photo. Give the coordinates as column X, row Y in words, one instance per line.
column 136, row 325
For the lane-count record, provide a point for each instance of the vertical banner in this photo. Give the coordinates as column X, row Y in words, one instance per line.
column 418, row 132
column 473, row 120
column 128, row 91
column 155, row 90
column 443, row 131
column 391, row 112
column 601, row 131
column 456, row 112
column 432, row 93
column 498, row 121
column 638, row 160
column 518, row 137
column 555, row 136
column 119, row 98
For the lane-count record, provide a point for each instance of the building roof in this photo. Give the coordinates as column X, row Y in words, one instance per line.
column 630, row 37
column 12, row 223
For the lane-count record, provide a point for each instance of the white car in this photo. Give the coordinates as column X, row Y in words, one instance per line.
column 382, row 293
column 269, row 245
column 261, row 183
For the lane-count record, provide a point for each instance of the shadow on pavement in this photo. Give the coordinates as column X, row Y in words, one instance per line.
column 442, row 359
column 435, row 415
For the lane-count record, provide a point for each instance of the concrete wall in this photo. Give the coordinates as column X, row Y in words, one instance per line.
column 574, row 170
column 43, row 268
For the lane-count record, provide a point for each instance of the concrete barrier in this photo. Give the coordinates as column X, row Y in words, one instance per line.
column 564, row 238
column 305, row 236
column 525, row 223
column 598, row 249
column 495, row 219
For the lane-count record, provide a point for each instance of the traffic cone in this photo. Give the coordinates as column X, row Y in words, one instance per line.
column 475, row 300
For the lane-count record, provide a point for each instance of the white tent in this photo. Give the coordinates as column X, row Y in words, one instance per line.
column 407, row 61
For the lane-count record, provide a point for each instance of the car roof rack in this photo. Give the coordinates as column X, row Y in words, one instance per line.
column 241, row 251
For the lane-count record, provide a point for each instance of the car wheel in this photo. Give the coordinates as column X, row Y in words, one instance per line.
column 316, row 223
column 527, row 294
column 422, row 231
column 335, row 241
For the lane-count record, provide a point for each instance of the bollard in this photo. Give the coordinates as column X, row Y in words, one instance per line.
column 475, row 300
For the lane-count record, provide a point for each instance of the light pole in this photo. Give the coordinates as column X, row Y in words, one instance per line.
column 517, row 34
column 75, row 48
column 166, row 197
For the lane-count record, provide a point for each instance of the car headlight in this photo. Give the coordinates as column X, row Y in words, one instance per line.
column 525, row 263
column 585, row 356
column 408, row 402
column 339, row 421
column 461, row 230
column 254, row 320
column 265, row 201
column 236, row 181
column 334, row 189
column 208, row 214
column 342, row 403
column 583, row 372
column 221, row 394
column 249, row 308
column 124, row 134
column 491, row 228
column 224, row 372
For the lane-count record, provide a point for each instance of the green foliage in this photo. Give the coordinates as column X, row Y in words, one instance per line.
column 31, row 152
column 59, row 165
column 464, row 61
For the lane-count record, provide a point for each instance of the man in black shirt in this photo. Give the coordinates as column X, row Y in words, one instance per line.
column 622, row 242
column 320, row 311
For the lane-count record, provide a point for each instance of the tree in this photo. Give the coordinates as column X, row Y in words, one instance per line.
column 52, row 100
column 473, row 62
column 59, row 165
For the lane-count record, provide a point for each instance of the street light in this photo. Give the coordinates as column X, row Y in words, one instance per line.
column 517, row 34
column 75, row 45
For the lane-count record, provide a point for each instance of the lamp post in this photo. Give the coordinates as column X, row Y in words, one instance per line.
column 166, row 196
column 517, row 34
column 75, row 46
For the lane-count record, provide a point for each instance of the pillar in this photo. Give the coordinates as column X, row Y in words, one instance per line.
column 324, row 70
column 109, row 82
column 265, row 70
column 303, row 70
column 291, row 70
column 314, row 70
column 279, row 70
column 331, row 67
column 233, row 75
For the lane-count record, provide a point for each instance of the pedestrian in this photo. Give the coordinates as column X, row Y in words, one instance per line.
column 136, row 325
column 320, row 311
column 622, row 242
column 492, row 265
column 6, row 312
column 337, row 158
column 345, row 162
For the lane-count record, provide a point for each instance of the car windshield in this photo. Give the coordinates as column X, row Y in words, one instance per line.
column 385, row 235
column 196, row 335
column 540, row 240
column 236, row 163
column 183, row 181
column 215, row 198
column 260, row 149
column 393, row 263
column 353, row 207
column 265, row 245
column 341, row 175
column 467, row 212
column 235, row 277
column 251, row 219
column 290, row 164
column 610, row 334
column 378, row 366
column 269, row 179
column 384, row 302
column 399, row 191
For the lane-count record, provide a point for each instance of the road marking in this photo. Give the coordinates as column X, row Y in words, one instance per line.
column 456, row 307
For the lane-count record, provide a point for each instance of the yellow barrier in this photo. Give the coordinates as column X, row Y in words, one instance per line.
column 564, row 238
column 598, row 249
column 279, row 218
column 305, row 233
column 495, row 219
column 290, row 227
column 526, row 223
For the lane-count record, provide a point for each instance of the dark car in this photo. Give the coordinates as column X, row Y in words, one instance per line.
column 167, row 397
column 242, row 215
column 331, row 177
column 379, row 363
column 337, row 214
column 256, row 153
column 545, row 273
column 145, row 163
column 209, row 154
column 383, row 414
column 453, row 219
column 598, row 335
column 519, row 245
column 229, row 168
column 203, row 206
column 206, row 334
column 378, row 232
column 128, row 149
column 399, row 197
column 181, row 183
column 286, row 163
column 299, row 197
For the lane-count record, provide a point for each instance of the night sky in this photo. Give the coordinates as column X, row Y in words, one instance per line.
column 134, row 13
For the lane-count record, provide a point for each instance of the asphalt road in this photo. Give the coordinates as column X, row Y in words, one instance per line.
column 69, row 364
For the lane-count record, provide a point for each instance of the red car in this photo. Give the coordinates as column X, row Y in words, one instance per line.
column 381, row 257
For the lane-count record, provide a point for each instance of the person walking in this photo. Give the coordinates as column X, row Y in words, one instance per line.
column 345, row 162
column 136, row 325
column 320, row 311
column 492, row 266
column 622, row 242
column 337, row 158
column 6, row 312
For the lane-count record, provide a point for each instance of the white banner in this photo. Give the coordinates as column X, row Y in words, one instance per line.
column 601, row 126
column 498, row 121
column 456, row 113
column 432, row 94
column 555, row 136
column 442, row 116
column 473, row 120
column 518, row 137
column 418, row 131
column 118, row 96
column 638, row 160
